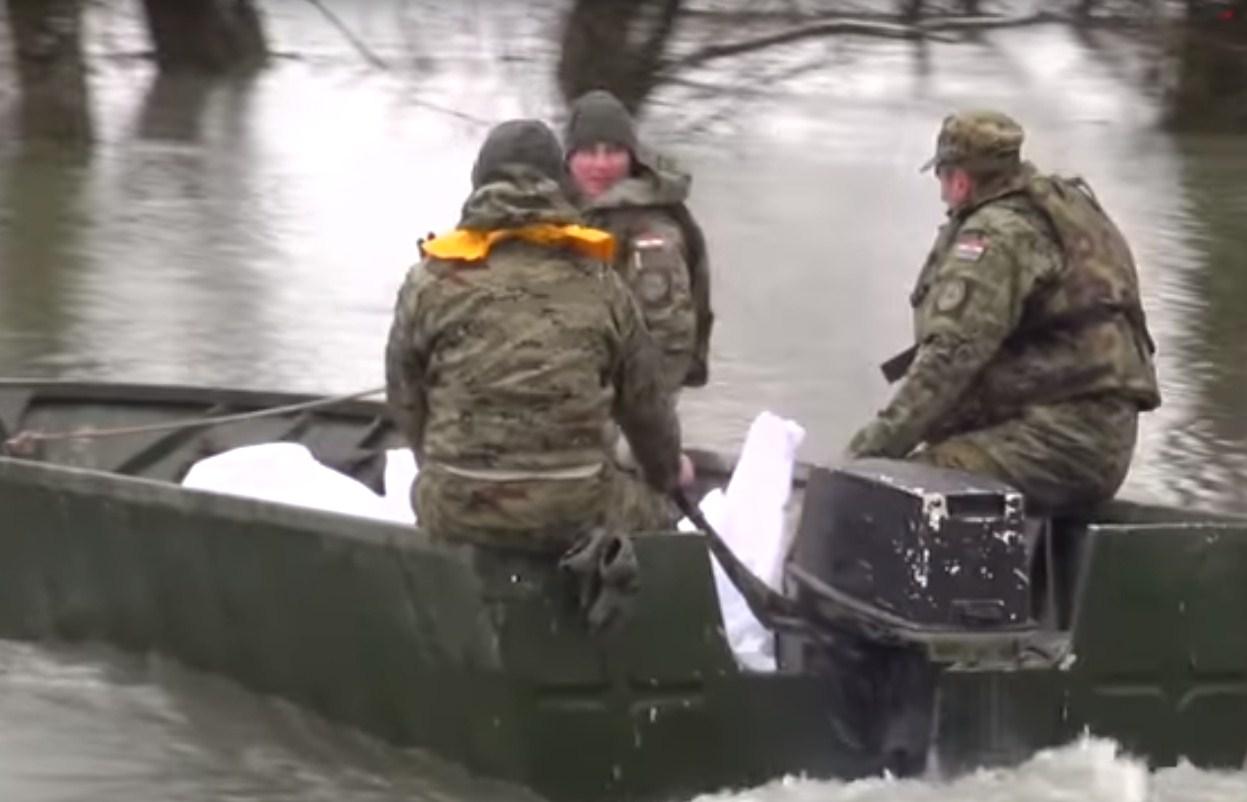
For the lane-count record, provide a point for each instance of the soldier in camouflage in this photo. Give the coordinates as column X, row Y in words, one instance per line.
column 640, row 198
column 513, row 345
column 1032, row 358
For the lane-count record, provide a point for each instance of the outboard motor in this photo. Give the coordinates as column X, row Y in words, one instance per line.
column 901, row 560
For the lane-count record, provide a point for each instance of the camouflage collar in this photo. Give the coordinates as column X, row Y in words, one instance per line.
column 522, row 198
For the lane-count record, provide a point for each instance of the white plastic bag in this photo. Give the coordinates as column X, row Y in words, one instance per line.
column 287, row 473
column 749, row 517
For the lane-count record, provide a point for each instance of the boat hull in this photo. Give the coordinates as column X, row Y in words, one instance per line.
column 479, row 656
column 473, row 654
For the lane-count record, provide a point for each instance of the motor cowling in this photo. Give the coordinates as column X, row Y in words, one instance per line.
column 907, row 566
column 930, row 547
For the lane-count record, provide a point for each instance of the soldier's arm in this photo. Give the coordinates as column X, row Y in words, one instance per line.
column 661, row 284
column 405, row 362
column 975, row 301
column 699, row 277
column 644, row 408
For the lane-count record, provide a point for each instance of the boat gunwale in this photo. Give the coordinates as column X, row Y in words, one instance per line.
column 711, row 465
column 184, row 394
column 716, row 464
column 258, row 510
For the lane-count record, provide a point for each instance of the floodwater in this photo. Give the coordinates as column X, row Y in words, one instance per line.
column 93, row 725
column 254, row 233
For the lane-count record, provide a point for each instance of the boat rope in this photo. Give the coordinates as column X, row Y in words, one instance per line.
column 22, row 443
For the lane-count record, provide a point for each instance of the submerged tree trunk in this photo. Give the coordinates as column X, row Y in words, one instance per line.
column 213, row 36
column 618, row 46
column 1225, row 13
column 47, row 43
column 1209, row 89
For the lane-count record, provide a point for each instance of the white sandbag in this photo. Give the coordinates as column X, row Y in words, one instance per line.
column 287, row 473
column 750, row 642
column 749, row 517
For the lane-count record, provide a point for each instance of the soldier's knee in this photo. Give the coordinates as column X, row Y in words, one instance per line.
column 961, row 454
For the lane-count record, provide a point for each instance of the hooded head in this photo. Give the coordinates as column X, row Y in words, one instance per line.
column 518, row 143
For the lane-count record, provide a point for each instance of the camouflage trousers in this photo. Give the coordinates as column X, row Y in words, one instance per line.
column 635, row 506
column 540, row 514
column 1059, row 455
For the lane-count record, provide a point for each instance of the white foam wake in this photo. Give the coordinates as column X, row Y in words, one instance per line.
column 1088, row 770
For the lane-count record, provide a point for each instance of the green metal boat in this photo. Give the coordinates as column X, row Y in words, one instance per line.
column 930, row 621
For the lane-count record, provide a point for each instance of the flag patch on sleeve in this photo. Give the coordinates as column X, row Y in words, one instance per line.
column 970, row 249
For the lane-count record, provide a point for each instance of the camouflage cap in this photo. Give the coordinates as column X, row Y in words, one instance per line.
column 982, row 139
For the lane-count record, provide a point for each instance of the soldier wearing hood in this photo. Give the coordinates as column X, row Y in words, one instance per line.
column 640, row 198
column 513, row 345
column 1031, row 357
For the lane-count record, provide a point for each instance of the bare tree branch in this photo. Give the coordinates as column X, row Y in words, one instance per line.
column 987, row 23
column 47, row 44
column 360, row 46
column 820, row 29
column 860, row 27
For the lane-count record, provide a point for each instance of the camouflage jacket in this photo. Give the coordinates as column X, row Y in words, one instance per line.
column 1008, row 312
column 662, row 257
column 518, row 362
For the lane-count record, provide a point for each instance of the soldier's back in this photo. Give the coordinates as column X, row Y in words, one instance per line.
column 523, row 345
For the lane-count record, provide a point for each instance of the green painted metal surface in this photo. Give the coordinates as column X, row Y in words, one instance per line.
column 1157, row 655
column 474, row 654
column 478, row 655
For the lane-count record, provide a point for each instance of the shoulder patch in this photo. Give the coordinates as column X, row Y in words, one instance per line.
column 654, row 259
column 951, row 296
column 653, row 285
column 970, row 248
